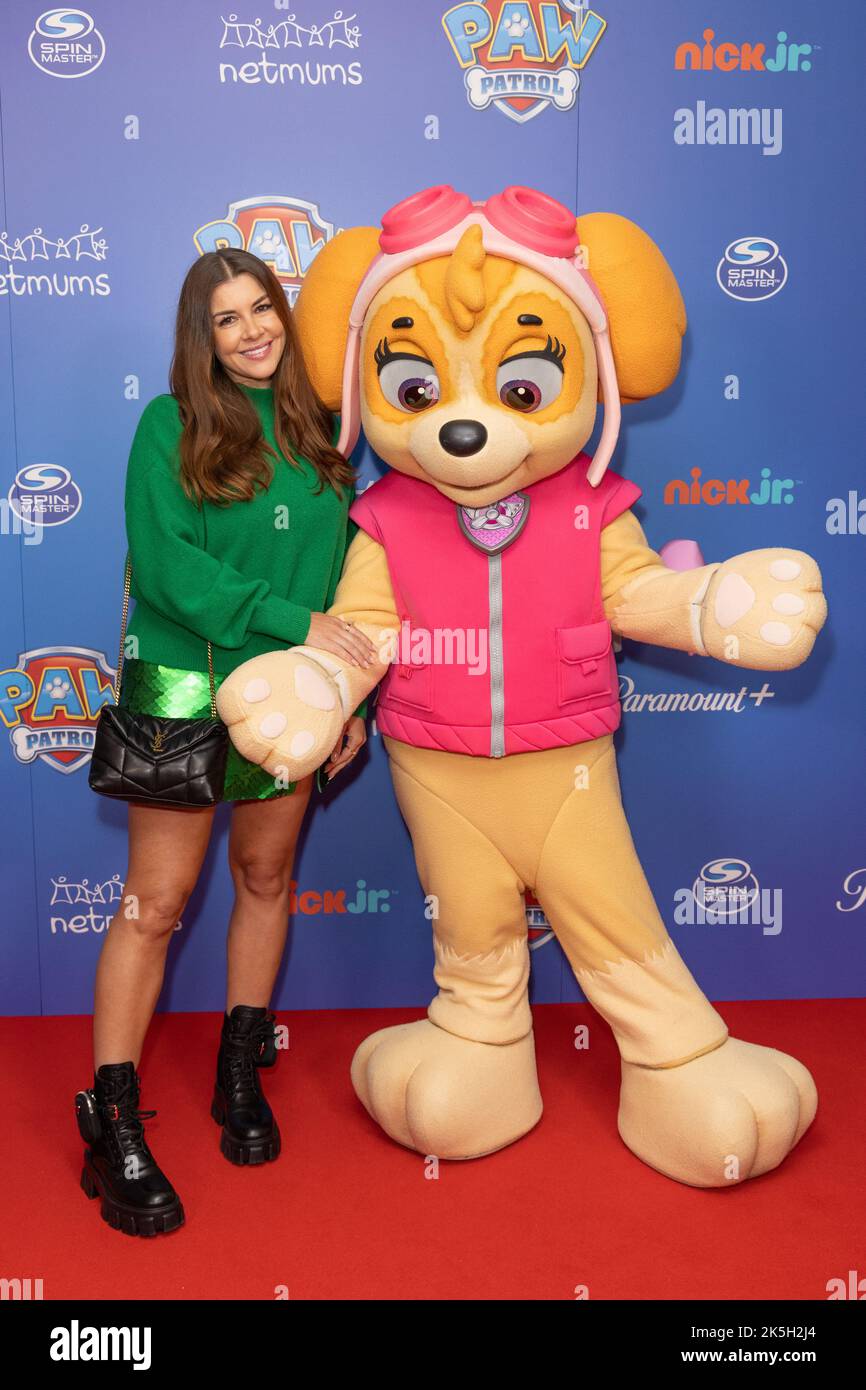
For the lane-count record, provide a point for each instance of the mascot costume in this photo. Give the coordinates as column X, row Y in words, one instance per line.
column 473, row 342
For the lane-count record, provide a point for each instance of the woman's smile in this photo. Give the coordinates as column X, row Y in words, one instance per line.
column 259, row 352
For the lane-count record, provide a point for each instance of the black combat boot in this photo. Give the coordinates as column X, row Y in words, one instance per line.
column 137, row 1197
column 250, row 1133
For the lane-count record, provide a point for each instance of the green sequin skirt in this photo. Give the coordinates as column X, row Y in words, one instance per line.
column 165, row 691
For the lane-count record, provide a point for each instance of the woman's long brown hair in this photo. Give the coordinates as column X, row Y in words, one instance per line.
column 224, row 455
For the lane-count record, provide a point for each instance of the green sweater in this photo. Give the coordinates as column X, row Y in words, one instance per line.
column 246, row 576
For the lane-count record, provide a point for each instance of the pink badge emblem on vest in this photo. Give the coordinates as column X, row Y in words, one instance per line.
column 494, row 527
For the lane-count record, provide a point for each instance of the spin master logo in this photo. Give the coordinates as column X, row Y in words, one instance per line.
column 286, row 233
column 522, row 56
column 50, row 703
column 726, row 892
column 752, row 268
column 66, row 43
column 44, row 494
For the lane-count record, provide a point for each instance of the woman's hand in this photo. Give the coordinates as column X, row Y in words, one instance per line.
column 355, row 734
column 340, row 637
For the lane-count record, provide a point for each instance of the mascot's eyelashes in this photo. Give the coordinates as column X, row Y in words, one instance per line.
column 553, row 351
column 412, row 390
column 383, row 353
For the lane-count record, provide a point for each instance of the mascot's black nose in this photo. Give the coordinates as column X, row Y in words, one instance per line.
column 463, row 437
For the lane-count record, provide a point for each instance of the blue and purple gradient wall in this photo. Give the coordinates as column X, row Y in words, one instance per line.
column 134, row 136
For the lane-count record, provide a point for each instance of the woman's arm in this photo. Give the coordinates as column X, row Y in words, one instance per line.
column 171, row 569
column 310, row 691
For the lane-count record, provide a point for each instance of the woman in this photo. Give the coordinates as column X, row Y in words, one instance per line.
column 236, row 517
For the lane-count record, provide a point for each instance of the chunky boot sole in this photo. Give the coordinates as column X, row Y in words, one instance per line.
column 244, row 1151
column 133, row 1221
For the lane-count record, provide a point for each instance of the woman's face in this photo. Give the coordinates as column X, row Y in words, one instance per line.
column 248, row 337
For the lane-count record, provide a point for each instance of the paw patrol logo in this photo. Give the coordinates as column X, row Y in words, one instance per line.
column 539, row 930
column 522, row 55
column 50, row 703
column 286, row 233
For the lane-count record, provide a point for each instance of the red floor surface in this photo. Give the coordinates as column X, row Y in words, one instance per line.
column 344, row 1213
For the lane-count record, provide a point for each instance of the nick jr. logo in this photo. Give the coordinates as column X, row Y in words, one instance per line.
column 729, row 491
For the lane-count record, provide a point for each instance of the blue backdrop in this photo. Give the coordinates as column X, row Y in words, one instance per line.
column 134, row 137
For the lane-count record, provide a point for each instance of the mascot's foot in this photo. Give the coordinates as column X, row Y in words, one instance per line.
column 729, row 1115
column 445, row 1095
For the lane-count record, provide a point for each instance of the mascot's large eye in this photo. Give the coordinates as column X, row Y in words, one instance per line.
column 529, row 382
column 408, row 382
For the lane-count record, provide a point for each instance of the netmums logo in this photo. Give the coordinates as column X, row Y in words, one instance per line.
column 724, row 56
column 44, row 260
column 285, row 52
column 730, row 492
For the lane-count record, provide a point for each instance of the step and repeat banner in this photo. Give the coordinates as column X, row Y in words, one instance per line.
column 134, row 138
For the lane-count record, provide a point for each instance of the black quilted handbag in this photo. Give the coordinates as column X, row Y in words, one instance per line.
column 145, row 757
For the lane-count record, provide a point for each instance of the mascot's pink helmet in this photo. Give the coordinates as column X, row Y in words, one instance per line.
column 519, row 223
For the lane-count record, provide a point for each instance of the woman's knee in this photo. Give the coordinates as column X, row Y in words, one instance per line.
column 154, row 914
column 261, row 876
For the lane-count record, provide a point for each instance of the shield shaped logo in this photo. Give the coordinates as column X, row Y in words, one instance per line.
column 522, row 55
column 287, row 233
column 56, row 694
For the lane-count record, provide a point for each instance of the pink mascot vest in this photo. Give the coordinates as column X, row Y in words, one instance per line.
column 503, row 646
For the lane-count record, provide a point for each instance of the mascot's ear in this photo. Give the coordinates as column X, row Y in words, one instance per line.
column 321, row 312
column 645, row 308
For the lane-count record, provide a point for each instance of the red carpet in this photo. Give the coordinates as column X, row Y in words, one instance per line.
column 346, row 1214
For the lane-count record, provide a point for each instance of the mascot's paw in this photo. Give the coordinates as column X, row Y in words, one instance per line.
column 283, row 711
column 764, row 610
column 447, row 1096
column 729, row 1115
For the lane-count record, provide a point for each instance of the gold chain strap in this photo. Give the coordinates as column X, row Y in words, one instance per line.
column 127, row 580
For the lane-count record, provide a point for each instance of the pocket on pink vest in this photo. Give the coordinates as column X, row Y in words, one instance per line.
column 410, row 683
column 585, row 670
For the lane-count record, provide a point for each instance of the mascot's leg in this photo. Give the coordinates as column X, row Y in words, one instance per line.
column 697, row 1105
column 461, row 1082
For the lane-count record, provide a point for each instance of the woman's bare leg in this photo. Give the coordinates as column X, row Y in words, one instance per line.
column 167, row 847
column 261, row 854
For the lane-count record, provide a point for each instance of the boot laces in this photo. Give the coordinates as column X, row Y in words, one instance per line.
column 242, row 1051
column 127, row 1117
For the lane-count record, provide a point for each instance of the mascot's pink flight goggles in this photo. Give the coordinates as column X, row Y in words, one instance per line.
column 520, row 224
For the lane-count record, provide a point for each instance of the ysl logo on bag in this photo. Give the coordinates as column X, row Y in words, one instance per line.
column 158, row 740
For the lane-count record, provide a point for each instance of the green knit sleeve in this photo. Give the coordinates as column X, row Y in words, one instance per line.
column 171, row 569
column 351, row 529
